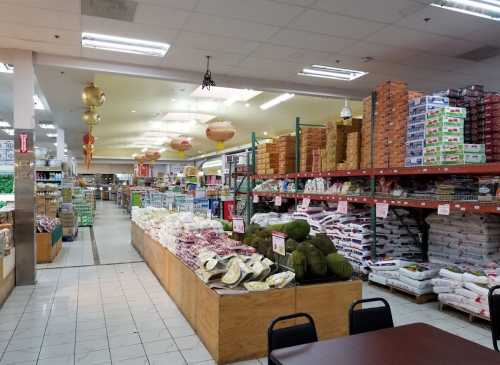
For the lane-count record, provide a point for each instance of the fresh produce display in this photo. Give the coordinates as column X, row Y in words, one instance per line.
column 46, row 224
column 6, row 183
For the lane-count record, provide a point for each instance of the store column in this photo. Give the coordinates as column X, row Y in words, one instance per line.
column 60, row 144
column 24, row 123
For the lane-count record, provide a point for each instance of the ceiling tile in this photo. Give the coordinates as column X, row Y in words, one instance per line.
column 308, row 40
column 305, row 57
column 335, row 25
column 194, row 59
column 70, row 6
column 305, row 3
column 121, row 57
column 160, row 15
column 58, row 49
column 215, row 43
column 39, row 17
column 432, row 43
column 379, row 51
column 437, row 62
column 126, row 29
column 40, row 34
column 176, row 4
column 387, row 11
column 486, row 33
column 229, row 27
column 259, row 11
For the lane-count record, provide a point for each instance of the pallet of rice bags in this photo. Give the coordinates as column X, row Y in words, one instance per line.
column 398, row 284
column 419, row 271
column 377, row 278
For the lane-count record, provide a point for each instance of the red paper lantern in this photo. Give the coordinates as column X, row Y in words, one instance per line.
column 88, row 139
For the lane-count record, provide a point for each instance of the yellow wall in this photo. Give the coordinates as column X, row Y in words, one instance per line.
column 106, row 168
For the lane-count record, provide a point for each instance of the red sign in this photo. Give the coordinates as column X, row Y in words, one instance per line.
column 23, row 143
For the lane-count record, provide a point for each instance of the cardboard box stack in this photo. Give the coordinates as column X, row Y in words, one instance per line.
column 267, row 159
column 311, row 139
column 286, row 154
column 415, row 132
column 444, row 136
column 352, row 152
column 390, row 126
column 491, row 107
column 68, row 220
column 47, row 206
column 366, row 134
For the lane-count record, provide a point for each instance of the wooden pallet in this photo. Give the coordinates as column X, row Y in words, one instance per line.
column 417, row 298
column 471, row 315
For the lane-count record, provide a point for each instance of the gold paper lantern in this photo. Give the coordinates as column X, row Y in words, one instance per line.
column 140, row 159
column 220, row 132
column 91, row 118
column 93, row 96
column 152, row 155
column 181, row 145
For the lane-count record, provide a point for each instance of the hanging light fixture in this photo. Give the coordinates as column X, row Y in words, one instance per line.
column 207, row 78
column 346, row 112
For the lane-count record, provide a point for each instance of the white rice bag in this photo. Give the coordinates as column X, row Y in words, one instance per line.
column 478, row 278
column 457, row 276
column 442, row 289
column 419, row 284
column 419, row 271
column 379, row 279
column 446, row 282
column 399, row 284
column 476, row 288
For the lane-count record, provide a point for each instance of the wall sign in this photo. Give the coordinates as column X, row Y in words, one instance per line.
column 23, row 143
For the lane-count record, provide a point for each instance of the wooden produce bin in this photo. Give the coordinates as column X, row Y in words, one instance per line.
column 234, row 327
column 137, row 236
column 46, row 252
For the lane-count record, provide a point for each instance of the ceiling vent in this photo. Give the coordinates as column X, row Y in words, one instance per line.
column 480, row 54
column 123, row 10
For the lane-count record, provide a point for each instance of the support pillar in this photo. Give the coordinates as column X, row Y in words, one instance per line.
column 60, row 144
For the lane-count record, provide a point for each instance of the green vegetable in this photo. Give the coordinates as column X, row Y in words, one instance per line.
column 276, row 227
column 6, row 184
column 316, row 262
column 298, row 262
column 252, row 229
column 290, row 245
column 322, row 242
column 339, row 266
column 226, row 225
column 297, row 230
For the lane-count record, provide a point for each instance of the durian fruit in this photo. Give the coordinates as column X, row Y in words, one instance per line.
column 339, row 266
column 298, row 230
column 316, row 261
column 298, row 262
column 290, row 245
column 323, row 243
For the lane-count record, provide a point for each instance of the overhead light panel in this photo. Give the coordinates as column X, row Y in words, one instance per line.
column 124, row 45
column 46, row 126
column 489, row 9
column 329, row 72
column 277, row 100
column 51, row 135
column 4, row 124
column 38, row 105
column 9, row 131
column 6, row 68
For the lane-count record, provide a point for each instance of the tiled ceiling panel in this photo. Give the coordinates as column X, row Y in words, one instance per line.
column 203, row 41
column 160, row 15
column 312, row 41
column 305, row 57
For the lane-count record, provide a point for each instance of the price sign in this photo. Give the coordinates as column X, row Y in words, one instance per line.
column 342, row 206
column 277, row 200
column 305, row 203
column 209, row 213
column 255, row 198
column 238, row 225
column 279, row 243
column 444, row 209
column 381, row 210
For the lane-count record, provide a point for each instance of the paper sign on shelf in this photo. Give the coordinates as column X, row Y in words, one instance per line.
column 209, row 213
column 277, row 200
column 342, row 206
column 306, row 202
column 279, row 243
column 444, row 209
column 238, row 225
column 381, row 210
column 255, row 198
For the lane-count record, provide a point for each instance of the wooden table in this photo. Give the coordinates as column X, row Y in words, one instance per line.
column 406, row 345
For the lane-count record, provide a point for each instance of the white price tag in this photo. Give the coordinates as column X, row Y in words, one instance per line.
column 277, row 200
column 444, row 209
column 342, row 206
column 209, row 213
column 279, row 243
column 255, row 198
column 238, row 225
column 381, row 210
column 306, row 202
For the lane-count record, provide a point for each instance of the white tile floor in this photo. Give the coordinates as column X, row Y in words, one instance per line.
column 120, row 314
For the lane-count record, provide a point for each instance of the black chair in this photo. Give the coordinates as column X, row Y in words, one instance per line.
column 369, row 319
column 290, row 336
column 494, row 303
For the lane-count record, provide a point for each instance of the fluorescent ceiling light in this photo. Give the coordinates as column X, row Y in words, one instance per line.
column 329, row 72
column 489, row 9
column 38, row 103
column 197, row 117
column 6, row 68
column 9, row 131
column 277, row 100
column 228, row 95
column 46, row 126
column 125, row 45
column 4, row 124
column 51, row 135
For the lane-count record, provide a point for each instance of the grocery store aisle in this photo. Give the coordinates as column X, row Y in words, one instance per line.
column 112, row 234
column 74, row 253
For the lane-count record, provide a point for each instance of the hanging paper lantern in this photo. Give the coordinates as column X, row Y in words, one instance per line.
column 88, row 138
column 152, row 155
column 88, row 150
column 93, row 96
column 91, row 118
column 181, row 145
column 140, row 159
column 220, row 132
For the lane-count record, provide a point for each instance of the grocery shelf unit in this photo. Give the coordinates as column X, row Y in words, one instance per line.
column 242, row 187
column 371, row 198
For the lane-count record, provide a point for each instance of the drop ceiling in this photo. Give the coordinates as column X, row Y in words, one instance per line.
column 273, row 40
